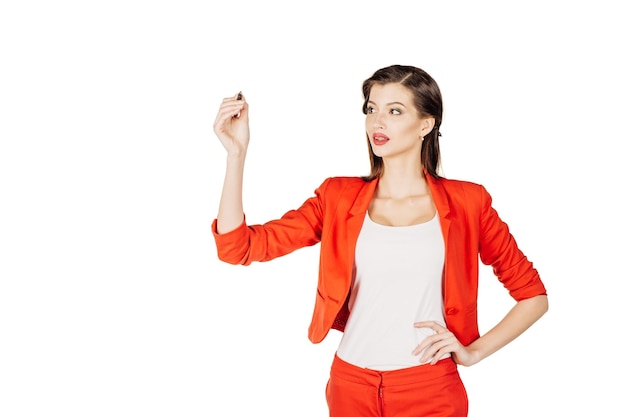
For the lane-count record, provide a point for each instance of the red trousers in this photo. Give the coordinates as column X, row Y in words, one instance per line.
column 420, row 391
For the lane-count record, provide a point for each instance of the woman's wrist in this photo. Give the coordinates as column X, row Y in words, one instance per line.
column 236, row 156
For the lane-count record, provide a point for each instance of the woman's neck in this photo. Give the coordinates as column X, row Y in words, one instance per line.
column 402, row 181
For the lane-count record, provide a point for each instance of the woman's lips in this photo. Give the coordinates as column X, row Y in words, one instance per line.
column 379, row 139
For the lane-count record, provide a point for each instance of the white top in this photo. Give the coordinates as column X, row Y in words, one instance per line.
column 397, row 280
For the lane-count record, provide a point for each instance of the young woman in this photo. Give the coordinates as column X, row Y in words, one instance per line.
column 399, row 256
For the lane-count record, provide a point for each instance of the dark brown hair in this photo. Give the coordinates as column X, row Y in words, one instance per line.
column 427, row 100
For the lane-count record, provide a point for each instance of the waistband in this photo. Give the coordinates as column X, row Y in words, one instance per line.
column 413, row 375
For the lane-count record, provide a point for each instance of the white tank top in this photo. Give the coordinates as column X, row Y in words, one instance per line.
column 397, row 280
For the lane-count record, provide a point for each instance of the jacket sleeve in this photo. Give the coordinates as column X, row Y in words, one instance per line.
column 499, row 249
column 263, row 242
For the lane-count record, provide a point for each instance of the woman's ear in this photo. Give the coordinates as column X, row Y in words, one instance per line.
column 427, row 126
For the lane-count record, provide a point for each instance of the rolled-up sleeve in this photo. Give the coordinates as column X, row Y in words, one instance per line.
column 263, row 242
column 499, row 249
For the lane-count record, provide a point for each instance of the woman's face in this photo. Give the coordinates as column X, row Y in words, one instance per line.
column 393, row 124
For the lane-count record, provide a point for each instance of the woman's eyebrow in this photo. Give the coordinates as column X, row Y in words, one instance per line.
column 388, row 104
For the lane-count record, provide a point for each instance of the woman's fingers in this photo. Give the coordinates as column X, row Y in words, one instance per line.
column 439, row 346
column 433, row 342
column 435, row 346
column 231, row 124
column 230, row 108
column 436, row 327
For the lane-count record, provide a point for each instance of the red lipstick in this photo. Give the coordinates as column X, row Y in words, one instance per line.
column 379, row 139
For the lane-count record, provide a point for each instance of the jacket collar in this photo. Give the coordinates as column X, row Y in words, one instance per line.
column 363, row 198
column 440, row 196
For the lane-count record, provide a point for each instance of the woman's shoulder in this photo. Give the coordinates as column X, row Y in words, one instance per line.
column 342, row 187
column 452, row 184
column 464, row 193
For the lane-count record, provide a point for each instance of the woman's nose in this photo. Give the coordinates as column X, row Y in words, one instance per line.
column 379, row 121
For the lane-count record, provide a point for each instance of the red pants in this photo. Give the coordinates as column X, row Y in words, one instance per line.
column 426, row 390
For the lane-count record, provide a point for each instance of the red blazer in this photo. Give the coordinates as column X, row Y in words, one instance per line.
column 472, row 231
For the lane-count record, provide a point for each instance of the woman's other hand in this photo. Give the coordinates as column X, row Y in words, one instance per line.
column 442, row 342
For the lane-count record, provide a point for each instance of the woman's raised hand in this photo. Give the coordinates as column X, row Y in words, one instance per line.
column 231, row 125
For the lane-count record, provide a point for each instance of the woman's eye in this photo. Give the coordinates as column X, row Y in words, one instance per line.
column 370, row 110
column 395, row 111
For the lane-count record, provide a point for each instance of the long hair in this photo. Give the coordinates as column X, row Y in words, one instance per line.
column 426, row 98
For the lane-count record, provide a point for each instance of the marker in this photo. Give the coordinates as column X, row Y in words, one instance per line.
column 239, row 97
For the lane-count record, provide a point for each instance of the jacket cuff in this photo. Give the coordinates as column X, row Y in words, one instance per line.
column 235, row 234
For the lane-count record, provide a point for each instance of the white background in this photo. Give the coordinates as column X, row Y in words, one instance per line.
column 112, row 300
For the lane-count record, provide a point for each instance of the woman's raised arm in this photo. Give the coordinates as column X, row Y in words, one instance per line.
column 232, row 128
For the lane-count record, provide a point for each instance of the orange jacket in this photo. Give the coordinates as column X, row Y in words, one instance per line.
column 472, row 231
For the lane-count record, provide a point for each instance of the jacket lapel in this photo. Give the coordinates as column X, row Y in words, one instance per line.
column 442, row 203
column 356, row 215
column 354, row 223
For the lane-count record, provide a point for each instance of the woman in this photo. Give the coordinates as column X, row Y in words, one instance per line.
column 399, row 252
